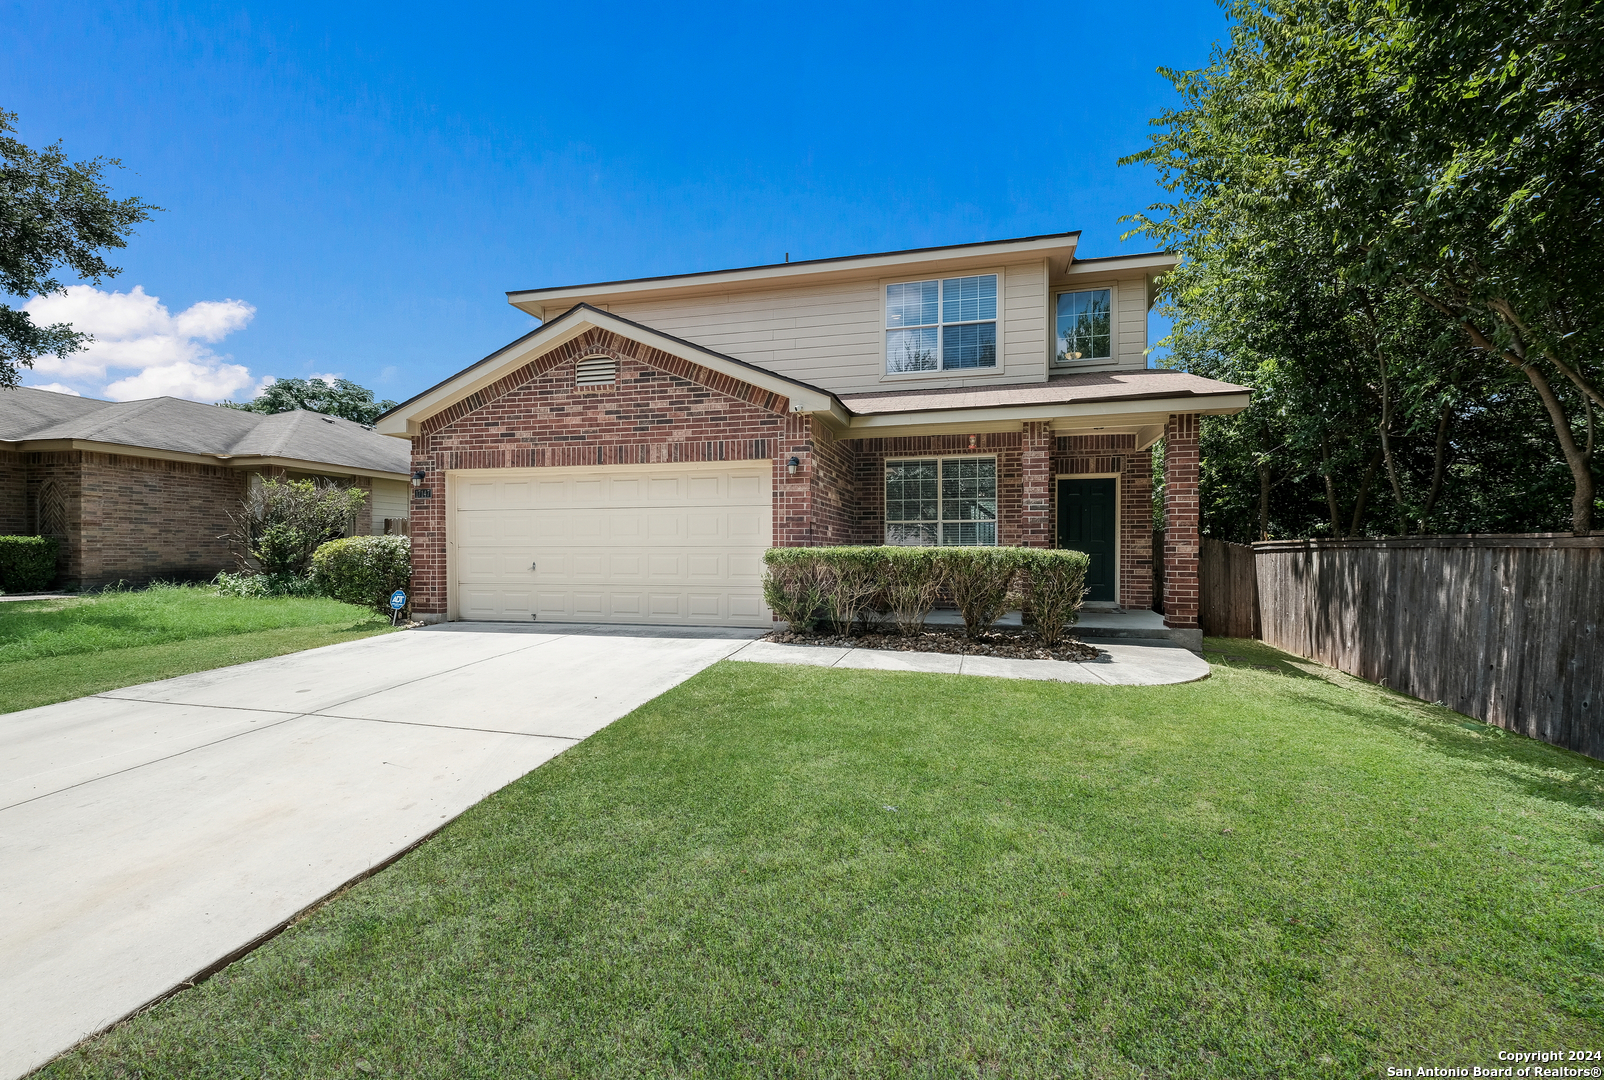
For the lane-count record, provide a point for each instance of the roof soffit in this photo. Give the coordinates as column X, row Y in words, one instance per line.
column 1058, row 249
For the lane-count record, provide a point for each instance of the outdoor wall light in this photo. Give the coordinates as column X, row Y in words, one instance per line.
column 417, row 478
column 792, row 466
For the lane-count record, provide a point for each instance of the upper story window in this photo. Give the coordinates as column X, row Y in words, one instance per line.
column 942, row 325
column 1085, row 324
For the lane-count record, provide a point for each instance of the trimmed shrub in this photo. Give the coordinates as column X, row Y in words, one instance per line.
column 363, row 570
column 849, row 578
column 792, row 585
column 279, row 526
column 1051, row 587
column 27, row 563
column 913, row 579
column 979, row 579
column 258, row 586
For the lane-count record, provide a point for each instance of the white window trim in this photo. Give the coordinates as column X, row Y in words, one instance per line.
column 1112, row 359
column 885, row 521
column 942, row 373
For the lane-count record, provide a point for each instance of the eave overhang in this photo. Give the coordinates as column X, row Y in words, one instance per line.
column 1136, row 413
column 1057, row 248
column 246, row 462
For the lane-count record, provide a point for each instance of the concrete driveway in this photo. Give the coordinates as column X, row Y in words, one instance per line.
column 150, row 832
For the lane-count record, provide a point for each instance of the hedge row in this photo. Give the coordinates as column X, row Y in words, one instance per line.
column 873, row 586
column 27, row 563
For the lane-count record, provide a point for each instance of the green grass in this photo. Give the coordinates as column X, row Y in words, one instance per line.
column 58, row 649
column 787, row 871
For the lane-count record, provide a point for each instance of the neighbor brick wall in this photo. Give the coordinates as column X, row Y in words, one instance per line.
column 13, row 493
column 138, row 519
column 662, row 409
column 1181, row 464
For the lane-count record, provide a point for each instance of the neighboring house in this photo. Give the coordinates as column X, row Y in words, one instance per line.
column 142, row 490
column 631, row 459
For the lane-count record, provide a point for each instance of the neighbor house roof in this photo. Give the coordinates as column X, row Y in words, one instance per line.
column 30, row 418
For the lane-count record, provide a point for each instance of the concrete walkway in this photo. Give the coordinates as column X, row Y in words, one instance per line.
column 150, row 832
column 1150, row 663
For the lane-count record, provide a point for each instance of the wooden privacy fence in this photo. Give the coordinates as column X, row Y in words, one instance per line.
column 1503, row 628
column 1228, row 591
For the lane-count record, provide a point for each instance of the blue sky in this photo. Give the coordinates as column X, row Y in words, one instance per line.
column 351, row 188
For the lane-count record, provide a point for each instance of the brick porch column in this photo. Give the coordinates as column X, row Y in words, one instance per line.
column 1036, row 474
column 428, row 528
column 1181, row 520
column 1136, row 531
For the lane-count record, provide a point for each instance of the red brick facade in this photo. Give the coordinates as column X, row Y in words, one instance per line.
column 870, row 474
column 1136, row 531
column 664, row 409
column 1181, row 467
column 1036, row 525
column 1117, row 456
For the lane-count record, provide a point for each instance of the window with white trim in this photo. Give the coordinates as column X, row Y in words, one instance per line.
column 950, row 502
column 943, row 325
column 1085, row 326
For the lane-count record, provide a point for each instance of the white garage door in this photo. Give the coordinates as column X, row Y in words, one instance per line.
column 680, row 544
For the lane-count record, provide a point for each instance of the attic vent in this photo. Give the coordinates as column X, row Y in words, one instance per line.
column 596, row 371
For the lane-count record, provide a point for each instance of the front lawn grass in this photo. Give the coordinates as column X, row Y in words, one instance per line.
column 58, row 649
column 790, row 871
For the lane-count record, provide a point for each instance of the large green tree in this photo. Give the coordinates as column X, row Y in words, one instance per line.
column 54, row 213
column 338, row 397
column 1405, row 196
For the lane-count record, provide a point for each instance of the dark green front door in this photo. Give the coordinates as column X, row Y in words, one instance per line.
column 1087, row 517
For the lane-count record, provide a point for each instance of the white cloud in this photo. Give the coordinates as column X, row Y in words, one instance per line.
column 55, row 388
column 135, row 333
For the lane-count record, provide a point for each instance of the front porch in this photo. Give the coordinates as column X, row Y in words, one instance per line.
column 1034, row 485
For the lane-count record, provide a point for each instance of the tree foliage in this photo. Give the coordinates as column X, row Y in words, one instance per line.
column 340, row 397
column 277, row 528
column 1389, row 212
column 54, row 214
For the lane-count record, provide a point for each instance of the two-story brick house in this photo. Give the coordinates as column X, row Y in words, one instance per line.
column 630, row 459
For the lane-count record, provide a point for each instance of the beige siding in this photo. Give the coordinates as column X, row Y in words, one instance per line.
column 1130, row 305
column 830, row 335
column 1024, row 322
column 390, row 500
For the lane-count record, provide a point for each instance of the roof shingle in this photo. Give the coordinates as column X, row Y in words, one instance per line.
column 190, row 427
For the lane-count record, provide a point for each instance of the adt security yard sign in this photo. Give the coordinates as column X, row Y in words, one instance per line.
column 398, row 600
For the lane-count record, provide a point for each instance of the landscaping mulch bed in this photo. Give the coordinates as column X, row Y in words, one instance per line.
column 1013, row 645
